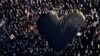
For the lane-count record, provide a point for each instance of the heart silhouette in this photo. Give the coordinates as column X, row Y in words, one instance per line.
column 59, row 33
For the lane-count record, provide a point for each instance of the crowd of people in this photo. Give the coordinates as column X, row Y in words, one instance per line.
column 19, row 35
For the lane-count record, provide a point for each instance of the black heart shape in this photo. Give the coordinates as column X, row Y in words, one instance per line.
column 59, row 34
